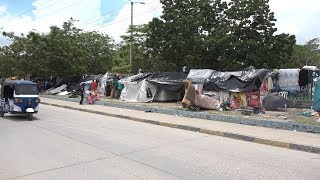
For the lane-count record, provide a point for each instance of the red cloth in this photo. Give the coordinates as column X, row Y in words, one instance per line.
column 235, row 103
column 93, row 86
column 206, row 102
column 264, row 87
column 254, row 98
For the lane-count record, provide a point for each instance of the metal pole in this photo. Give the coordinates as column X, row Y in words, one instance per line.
column 131, row 33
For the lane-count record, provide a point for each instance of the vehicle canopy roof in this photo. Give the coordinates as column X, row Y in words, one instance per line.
column 16, row 82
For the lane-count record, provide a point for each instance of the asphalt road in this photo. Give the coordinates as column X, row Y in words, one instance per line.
column 67, row 144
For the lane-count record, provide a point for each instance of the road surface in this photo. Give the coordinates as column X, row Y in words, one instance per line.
column 67, row 144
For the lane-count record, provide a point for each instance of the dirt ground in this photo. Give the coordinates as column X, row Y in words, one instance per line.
column 286, row 115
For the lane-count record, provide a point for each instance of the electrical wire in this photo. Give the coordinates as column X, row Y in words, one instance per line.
column 111, row 14
column 28, row 12
column 73, row 4
column 98, row 28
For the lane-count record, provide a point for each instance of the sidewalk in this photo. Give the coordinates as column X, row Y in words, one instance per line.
column 302, row 141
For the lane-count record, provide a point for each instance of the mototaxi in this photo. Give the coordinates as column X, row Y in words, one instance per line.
column 19, row 97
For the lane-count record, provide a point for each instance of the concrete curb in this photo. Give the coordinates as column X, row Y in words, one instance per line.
column 216, row 117
column 241, row 137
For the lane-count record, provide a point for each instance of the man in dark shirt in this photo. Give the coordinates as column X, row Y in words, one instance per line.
column 81, row 92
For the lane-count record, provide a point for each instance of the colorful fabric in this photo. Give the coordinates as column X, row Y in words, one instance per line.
column 190, row 93
column 93, row 86
column 254, row 98
column 206, row 102
column 243, row 99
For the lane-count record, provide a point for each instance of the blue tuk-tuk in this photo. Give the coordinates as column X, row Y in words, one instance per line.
column 19, row 97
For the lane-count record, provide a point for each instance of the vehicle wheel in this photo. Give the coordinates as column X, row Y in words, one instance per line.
column 1, row 114
column 30, row 116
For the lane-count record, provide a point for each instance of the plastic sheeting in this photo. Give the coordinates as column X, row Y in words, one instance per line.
column 164, row 95
column 63, row 93
column 141, row 91
column 316, row 97
column 147, row 87
column 241, row 81
column 198, row 76
column 170, row 81
column 289, row 79
column 103, row 82
column 58, row 89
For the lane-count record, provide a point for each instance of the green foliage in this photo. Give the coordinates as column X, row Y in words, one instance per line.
column 214, row 34
column 139, row 56
column 308, row 54
column 63, row 51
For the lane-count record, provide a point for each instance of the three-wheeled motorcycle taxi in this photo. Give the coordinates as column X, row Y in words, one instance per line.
column 19, row 97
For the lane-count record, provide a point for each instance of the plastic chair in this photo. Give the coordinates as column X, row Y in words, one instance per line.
column 284, row 94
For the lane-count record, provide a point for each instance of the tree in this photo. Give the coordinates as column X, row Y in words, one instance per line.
column 214, row 34
column 307, row 54
column 140, row 59
column 186, row 34
column 62, row 52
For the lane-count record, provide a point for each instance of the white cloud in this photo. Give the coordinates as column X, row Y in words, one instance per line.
column 55, row 12
column 297, row 17
column 142, row 13
column 49, row 12
column 3, row 10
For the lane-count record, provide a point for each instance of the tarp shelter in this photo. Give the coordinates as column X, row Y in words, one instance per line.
column 289, row 79
column 103, row 80
column 241, row 81
column 273, row 101
column 198, row 77
column 147, row 87
column 59, row 89
column 169, row 85
column 316, row 97
column 137, row 89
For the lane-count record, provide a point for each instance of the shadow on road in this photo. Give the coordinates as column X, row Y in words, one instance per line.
column 18, row 117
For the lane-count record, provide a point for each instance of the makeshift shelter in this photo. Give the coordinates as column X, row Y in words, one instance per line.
column 58, row 89
column 241, row 81
column 240, row 88
column 198, row 77
column 306, row 81
column 169, row 85
column 137, row 89
column 316, row 98
column 147, row 87
column 289, row 79
column 273, row 101
column 103, row 83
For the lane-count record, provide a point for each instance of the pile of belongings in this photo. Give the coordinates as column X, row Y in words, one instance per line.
column 195, row 101
column 274, row 101
column 92, row 97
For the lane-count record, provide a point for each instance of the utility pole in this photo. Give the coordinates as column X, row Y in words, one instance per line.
column 131, row 35
column 131, row 29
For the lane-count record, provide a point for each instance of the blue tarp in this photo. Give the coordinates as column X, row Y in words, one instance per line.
column 316, row 97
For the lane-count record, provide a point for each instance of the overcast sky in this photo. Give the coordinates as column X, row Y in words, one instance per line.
column 299, row 17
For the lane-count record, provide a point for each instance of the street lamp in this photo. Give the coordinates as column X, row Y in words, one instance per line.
column 131, row 36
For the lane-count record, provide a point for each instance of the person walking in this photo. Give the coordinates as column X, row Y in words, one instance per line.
column 81, row 92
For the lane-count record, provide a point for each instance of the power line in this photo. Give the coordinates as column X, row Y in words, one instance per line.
column 28, row 12
column 153, row 9
column 96, row 19
column 77, row 2
column 74, row 4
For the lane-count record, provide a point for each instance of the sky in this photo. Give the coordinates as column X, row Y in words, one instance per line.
column 298, row 17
